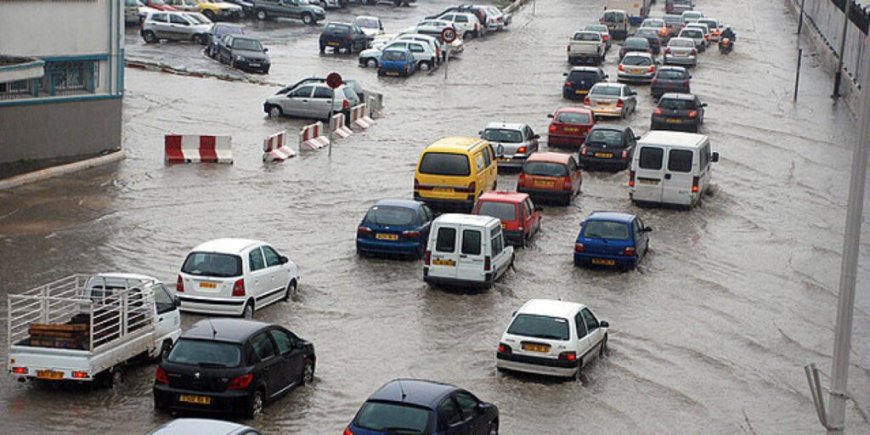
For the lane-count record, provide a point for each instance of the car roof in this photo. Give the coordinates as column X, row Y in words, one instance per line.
column 465, row 219
column 678, row 96
column 637, row 39
column 614, row 216
column 609, row 85
column 549, row 157
column 506, row 125
column 613, row 127
column 638, row 54
column 418, row 392
column 594, row 69
column 550, row 307
column 454, row 143
column 224, row 329
column 672, row 68
column 227, row 246
column 503, row 196
column 687, row 40
column 184, row 426
column 672, row 138
column 574, row 109
column 367, row 17
column 406, row 203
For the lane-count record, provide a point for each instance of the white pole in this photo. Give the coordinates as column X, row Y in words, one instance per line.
column 846, row 301
column 838, row 76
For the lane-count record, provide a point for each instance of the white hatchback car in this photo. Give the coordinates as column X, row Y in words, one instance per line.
column 422, row 51
column 235, row 277
column 553, row 338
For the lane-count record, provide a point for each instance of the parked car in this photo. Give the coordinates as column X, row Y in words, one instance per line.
column 513, row 142
column 467, row 24
column 312, row 101
column 432, row 27
column 343, row 36
column 174, row 26
column 602, row 30
column 569, row 126
column 355, row 97
column 204, row 426
column 397, row 62
column 611, row 100
column 496, row 19
column 608, row 146
column 213, row 10
column 246, row 5
column 453, row 172
column 551, row 177
column 681, row 51
column 637, row 67
column 423, row 53
column 395, row 227
column 302, row 9
column 586, row 46
column 232, row 366
column 159, row 5
column 671, row 168
column 634, row 44
column 371, row 26
column 415, row 406
column 235, row 277
column 617, row 23
column 244, row 53
column 611, row 239
column 434, row 42
column 466, row 251
column 131, row 11
column 670, row 79
column 580, row 79
column 678, row 111
column 218, row 31
column 652, row 36
column 551, row 338
column 478, row 11
column 520, row 218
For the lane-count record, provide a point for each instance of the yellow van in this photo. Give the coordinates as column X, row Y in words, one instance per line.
column 453, row 172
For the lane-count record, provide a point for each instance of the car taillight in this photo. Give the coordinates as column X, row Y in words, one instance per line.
column 621, row 67
column 578, row 247
column 552, row 128
column 651, row 68
column 240, row 382
column 160, row 376
column 606, row 38
column 624, row 154
column 487, row 263
column 363, row 231
column 693, row 114
column 569, row 356
column 587, row 101
column 411, row 234
column 239, row 287
column 521, row 150
column 693, row 52
column 629, row 251
column 619, row 103
column 695, row 182
column 503, row 348
column 79, row 375
column 19, row 370
column 583, row 151
column 668, row 50
column 566, row 183
column 686, row 82
column 568, row 84
column 347, row 431
column 428, row 258
column 345, row 105
column 658, row 111
column 630, row 178
column 179, row 285
column 521, row 181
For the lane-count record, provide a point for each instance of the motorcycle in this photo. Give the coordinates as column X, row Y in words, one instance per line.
column 725, row 46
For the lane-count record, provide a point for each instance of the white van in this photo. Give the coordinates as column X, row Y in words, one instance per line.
column 466, row 250
column 671, row 168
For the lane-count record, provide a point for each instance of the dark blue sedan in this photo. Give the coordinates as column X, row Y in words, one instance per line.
column 611, row 239
column 394, row 227
column 411, row 406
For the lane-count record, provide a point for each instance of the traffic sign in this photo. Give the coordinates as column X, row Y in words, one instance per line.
column 334, row 80
column 448, row 35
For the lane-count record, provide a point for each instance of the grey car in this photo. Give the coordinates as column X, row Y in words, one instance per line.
column 311, row 100
column 697, row 36
column 515, row 142
column 681, row 51
column 218, row 32
column 244, row 53
column 670, row 79
column 174, row 26
column 637, row 67
column 204, row 426
column 302, row 9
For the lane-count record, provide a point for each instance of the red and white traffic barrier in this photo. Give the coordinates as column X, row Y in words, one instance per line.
column 275, row 148
column 191, row 148
column 312, row 136
column 337, row 126
column 359, row 117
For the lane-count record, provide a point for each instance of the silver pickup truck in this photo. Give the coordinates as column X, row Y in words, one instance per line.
column 585, row 46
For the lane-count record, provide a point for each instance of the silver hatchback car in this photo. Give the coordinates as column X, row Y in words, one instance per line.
column 175, row 26
column 611, row 100
column 681, row 51
column 515, row 142
column 637, row 67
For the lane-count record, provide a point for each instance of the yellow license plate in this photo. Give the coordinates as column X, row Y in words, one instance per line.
column 381, row 236
column 603, row 103
column 208, row 285
column 648, row 181
column 637, row 71
column 50, row 375
column 199, row 400
column 536, row 347
column 581, row 92
column 604, row 155
column 332, row 44
column 443, row 262
column 392, row 73
column 545, row 183
column 673, row 120
column 571, row 130
column 443, row 189
column 603, row 262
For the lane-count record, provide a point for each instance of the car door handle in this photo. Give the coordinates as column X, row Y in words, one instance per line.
column 667, row 176
column 159, row 319
column 304, row 101
column 463, row 256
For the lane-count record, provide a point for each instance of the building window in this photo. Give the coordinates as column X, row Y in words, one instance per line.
column 70, row 78
column 19, row 89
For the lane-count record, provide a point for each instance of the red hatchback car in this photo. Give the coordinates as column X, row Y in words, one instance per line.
column 520, row 219
column 551, row 176
column 569, row 127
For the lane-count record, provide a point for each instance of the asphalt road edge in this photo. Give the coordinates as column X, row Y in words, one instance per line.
column 55, row 171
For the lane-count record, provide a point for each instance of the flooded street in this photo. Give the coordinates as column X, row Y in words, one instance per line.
column 709, row 335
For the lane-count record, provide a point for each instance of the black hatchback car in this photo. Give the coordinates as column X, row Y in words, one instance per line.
column 343, row 36
column 608, row 146
column 634, row 44
column 678, row 112
column 231, row 366
column 652, row 36
column 670, row 79
column 580, row 79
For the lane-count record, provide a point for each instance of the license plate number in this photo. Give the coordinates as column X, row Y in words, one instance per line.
column 381, row 236
column 332, row 44
column 603, row 103
column 532, row 347
column 581, row 92
column 443, row 189
column 648, row 181
column 571, row 130
column 392, row 73
column 208, row 285
column 199, row 400
column 604, row 155
column 254, row 65
column 443, row 262
column 673, row 120
column 637, row 71
column 545, row 183
column 603, row 262
column 50, row 375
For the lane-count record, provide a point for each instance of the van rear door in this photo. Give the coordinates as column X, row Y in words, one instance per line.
column 444, row 251
column 649, row 173
column 677, row 184
column 471, row 254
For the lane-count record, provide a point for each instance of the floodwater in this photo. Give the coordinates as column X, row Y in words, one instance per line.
column 710, row 335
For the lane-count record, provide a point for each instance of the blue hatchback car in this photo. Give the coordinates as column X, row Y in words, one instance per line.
column 395, row 227
column 396, row 62
column 413, row 406
column 611, row 239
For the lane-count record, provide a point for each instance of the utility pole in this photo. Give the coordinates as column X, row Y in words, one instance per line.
column 838, row 76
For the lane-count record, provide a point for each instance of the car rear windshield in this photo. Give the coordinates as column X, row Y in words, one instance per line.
column 637, row 60
column 545, row 169
column 609, row 137
column 672, row 19
column 612, row 91
column 583, row 75
column 502, row 135
column 596, row 28
column 247, row 44
column 573, row 118
column 531, row 325
column 676, row 104
column 505, row 211
column 652, row 23
column 691, row 33
column 337, row 28
column 394, row 418
column 639, row 43
column 605, row 230
column 391, row 216
column 394, row 55
column 212, row 264
column 367, row 23
column 445, row 164
column 672, row 74
column 205, row 353
column 587, row 36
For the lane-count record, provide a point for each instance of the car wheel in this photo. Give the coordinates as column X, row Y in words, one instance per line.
column 159, row 404
column 322, row 48
column 308, row 372
column 116, row 377
column 255, row 406
column 323, row 4
column 248, row 311
column 493, row 428
column 209, row 15
column 372, row 63
column 164, row 351
column 307, row 19
column 602, row 351
column 467, row 35
column 290, row 293
column 149, row 37
column 275, row 112
column 261, row 14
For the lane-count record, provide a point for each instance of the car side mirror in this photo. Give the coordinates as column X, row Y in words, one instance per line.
column 265, row 50
column 637, row 138
column 690, row 76
column 565, row 74
column 604, row 324
column 550, row 115
column 176, row 300
column 283, row 260
column 536, row 136
column 514, row 314
column 703, row 104
column 480, row 133
column 715, row 157
column 647, row 229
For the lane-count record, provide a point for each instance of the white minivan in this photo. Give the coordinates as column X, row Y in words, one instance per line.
column 466, row 250
column 671, row 168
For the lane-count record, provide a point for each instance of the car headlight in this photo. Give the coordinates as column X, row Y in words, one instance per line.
column 240, row 58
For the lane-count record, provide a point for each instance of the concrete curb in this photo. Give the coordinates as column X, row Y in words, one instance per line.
column 55, row 171
column 160, row 67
